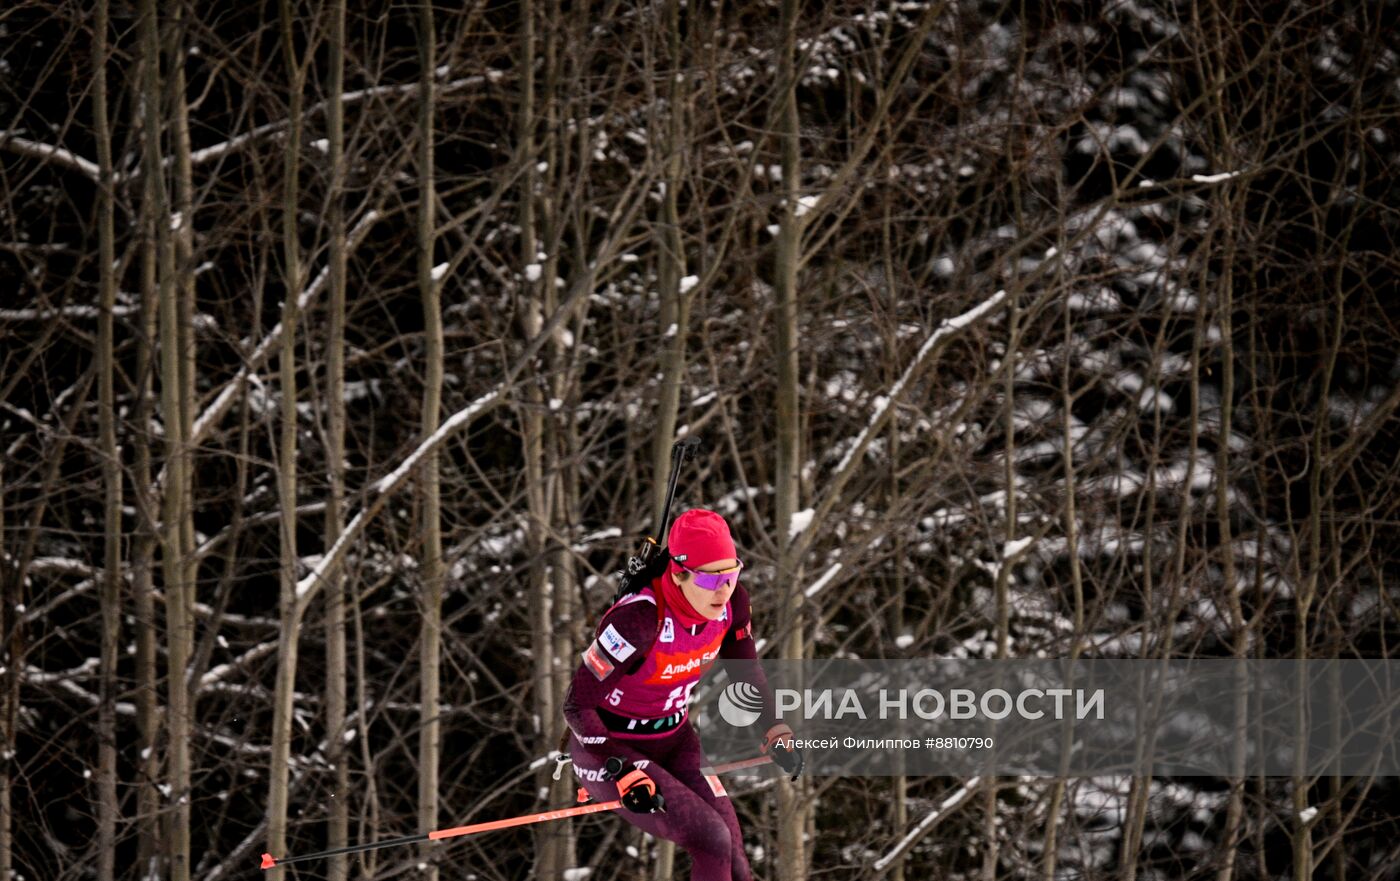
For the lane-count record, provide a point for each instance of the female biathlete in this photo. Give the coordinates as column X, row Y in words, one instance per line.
column 628, row 698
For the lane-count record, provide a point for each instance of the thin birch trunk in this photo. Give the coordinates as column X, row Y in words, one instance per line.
column 1071, row 521
column 369, row 820
column 429, row 639
column 1210, row 68
column 548, row 859
column 289, row 610
column 1234, row 811
column 1141, row 785
column 990, row 836
column 108, row 808
column 793, row 808
column 899, row 784
column 1302, row 830
column 1239, row 628
column 674, row 313
column 1179, row 590
column 143, row 547
column 675, row 307
column 561, row 476
column 11, row 621
column 338, row 820
column 182, row 231
column 173, row 511
column 1332, row 815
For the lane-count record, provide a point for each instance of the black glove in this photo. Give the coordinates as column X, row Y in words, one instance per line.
column 637, row 789
column 778, row 744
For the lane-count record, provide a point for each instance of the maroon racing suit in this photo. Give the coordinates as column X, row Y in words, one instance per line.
column 629, row 699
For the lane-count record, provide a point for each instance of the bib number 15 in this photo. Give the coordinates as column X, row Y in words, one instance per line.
column 678, row 698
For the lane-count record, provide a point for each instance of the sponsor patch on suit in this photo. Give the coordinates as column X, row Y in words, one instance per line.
column 596, row 660
column 616, row 644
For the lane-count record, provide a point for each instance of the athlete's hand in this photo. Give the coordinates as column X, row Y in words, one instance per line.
column 778, row 743
column 639, row 793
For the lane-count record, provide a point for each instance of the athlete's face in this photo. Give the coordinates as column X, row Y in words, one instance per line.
column 709, row 603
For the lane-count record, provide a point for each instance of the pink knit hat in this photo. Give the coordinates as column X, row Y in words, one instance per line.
column 699, row 537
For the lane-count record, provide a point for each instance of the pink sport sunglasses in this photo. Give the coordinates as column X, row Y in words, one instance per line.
column 714, row 580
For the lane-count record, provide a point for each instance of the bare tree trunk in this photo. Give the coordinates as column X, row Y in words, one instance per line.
column 108, row 809
column 535, row 286
column 793, row 808
column 338, row 821
column 1141, row 785
column 1234, row 811
column 674, row 313
column 288, row 607
column 173, row 510
column 561, row 474
column 899, row 784
column 1228, row 228
column 182, row 232
column 1071, row 521
column 990, row 836
column 430, row 630
column 12, row 623
column 675, row 306
column 1178, row 591
column 369, row 820
column 144, row 543
column 1307, row 593
column 567, row 606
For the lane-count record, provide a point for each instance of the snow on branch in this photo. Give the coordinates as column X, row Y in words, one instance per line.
column 37, row 676
column 63, row 566
column 257, row 652
column 628, row 206
column 390, row 481
column 64, row 682
column 1012, row 549
column 218, row 151
column 49, row 314
column 221, row 404
column 385, row 487
column 946, row 329
column 885, row 406
column 823, row 581
column 958, row 797
column 57, row 155
column 89, row 169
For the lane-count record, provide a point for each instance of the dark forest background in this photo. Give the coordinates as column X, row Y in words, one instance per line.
column 342, row 347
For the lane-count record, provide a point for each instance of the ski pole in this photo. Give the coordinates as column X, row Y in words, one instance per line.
column 271, row 862
column 737, row 765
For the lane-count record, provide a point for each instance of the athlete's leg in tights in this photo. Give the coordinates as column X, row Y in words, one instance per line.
column 697, row 820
